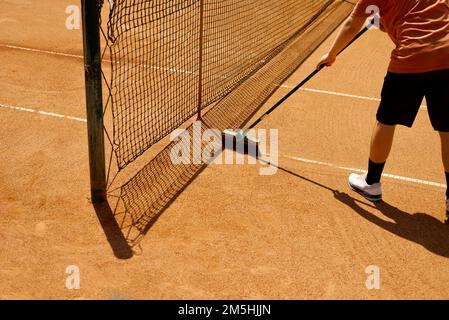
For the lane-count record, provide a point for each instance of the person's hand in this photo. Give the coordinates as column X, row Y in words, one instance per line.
column 326, row 60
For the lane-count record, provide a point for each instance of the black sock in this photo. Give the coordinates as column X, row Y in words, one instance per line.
column 447, row 183
column 374, row 172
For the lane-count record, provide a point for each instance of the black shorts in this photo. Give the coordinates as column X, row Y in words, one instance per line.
column 403, row 93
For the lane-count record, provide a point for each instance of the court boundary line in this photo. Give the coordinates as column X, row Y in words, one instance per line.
column 299, row 159
column 386, row 175
column 341, row 94
column 43, row 113
column 49, row 52
column 284, row 86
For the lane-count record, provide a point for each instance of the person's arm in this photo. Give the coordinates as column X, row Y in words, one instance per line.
column 350, row 28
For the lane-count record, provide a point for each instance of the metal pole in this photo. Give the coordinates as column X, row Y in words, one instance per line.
column 94, row 100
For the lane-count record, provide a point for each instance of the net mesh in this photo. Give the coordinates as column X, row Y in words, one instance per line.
column 154, row 82
column 166, row 62
column 240, row 37
column 173, row 58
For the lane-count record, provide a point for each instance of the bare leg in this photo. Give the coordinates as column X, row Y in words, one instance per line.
column 369, row 185
column 381, row 142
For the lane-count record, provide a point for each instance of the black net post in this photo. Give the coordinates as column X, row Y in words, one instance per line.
column 94, row 101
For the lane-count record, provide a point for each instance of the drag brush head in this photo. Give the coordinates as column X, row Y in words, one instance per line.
column 241, row 142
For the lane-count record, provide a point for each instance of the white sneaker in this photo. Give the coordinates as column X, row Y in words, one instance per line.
column 357, row 182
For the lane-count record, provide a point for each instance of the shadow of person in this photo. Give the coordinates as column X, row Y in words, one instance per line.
column 420, row 228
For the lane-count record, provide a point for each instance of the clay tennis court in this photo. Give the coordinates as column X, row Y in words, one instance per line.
column 231, row 233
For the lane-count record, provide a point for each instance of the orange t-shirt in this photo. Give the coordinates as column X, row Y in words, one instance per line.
column 419, row 29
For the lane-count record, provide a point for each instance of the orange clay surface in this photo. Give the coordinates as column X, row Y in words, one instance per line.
column 232, row 234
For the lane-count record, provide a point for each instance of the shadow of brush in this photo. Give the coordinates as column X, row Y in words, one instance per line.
column 420, row 228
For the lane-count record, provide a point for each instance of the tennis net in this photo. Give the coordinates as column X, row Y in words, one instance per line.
column 173, row 58
column 168, row 61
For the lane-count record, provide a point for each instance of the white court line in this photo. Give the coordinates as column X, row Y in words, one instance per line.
column 56, row 115
column 187, row 72
column 391, row 176
column 44, row 113
column 54, row 53
column 334, row 93
column 386, row 175
column 67, row 55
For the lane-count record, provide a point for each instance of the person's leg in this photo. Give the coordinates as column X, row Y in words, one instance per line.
column 381, row 142
column 437, row 95
column 445, row 154
column 402, row 95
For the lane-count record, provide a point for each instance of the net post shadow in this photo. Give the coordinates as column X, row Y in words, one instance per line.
column 112, row 230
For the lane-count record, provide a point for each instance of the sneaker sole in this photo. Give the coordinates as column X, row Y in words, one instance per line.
column 366, row 195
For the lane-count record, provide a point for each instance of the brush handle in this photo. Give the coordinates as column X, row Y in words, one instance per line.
column 302, row 83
